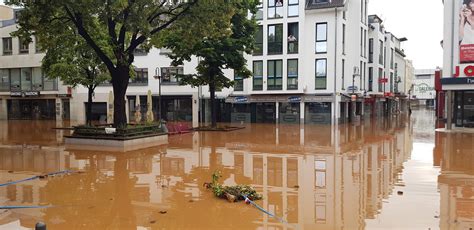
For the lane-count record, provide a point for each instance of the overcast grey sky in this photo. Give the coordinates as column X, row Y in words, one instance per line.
column 421, row 21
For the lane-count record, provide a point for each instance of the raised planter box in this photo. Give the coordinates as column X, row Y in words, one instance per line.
column 103, row 138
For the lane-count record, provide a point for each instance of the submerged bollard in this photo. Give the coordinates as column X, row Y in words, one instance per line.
column 40, row 226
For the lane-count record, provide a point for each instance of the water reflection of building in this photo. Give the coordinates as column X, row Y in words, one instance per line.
column 456, row 182
column 316, row 177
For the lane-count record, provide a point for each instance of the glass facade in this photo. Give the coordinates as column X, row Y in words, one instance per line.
column 464, row 108
column 36, row 109
column 289, row 113
column 26, row 79
column 318, row 113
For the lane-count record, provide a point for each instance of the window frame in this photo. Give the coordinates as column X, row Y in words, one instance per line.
column 10, row 42
column 292, row 77
column 257, row 43
column 275, row 77
column 320, row 77
column 275, row 8
column 171, row 70
column 255, row 77
column 295, row 43
column 21, row 46
column 324, row 41
column 292, row 5
column 280, row 51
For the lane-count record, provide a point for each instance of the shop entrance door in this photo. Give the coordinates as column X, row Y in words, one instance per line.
column 468, row 113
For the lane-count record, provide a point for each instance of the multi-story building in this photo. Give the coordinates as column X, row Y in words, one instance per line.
column 424, row 87
column 390, row 73
column 310, row 58
column 458, row 70
column 25, row 92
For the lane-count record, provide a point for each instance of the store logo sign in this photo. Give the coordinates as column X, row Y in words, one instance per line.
column 294, row 99
column 241, row 100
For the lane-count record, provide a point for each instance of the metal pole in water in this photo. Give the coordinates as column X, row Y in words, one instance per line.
column 40, row 226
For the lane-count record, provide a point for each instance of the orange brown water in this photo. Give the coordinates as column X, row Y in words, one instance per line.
column 389, row 174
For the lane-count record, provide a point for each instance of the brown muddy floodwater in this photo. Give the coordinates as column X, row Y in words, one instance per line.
column 389, row 174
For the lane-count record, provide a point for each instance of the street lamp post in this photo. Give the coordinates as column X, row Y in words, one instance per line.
column 158, row 77
column 354, row 96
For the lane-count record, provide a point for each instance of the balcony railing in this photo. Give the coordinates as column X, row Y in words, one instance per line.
column 293, row 47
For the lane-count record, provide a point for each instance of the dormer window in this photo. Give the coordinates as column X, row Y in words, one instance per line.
column 320, row 1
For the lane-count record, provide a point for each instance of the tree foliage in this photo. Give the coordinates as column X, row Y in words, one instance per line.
column 113, row 29
column 224, row 35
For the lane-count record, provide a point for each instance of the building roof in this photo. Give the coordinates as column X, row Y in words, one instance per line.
column 313, row 4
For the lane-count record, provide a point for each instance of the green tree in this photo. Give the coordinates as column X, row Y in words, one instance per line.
column 114, row 29
column 224, row 35
column 75, row 63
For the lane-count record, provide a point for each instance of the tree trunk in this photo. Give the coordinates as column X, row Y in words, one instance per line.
column 90, row 91
column 120, row 78
column 212, row 91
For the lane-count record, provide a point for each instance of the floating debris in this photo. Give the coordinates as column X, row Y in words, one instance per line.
column 163, row 212
column 400, row 193
column 153, row 221
column 231, row 193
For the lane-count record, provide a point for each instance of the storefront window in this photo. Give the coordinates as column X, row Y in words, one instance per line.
column 31, row 109
column 318, row 113
column 241, row 113
column 289, row 113
column 265, row 112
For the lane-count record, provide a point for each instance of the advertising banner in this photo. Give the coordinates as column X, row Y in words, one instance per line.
column 466, row 32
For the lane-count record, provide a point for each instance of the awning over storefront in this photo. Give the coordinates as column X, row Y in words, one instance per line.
column 278, row 98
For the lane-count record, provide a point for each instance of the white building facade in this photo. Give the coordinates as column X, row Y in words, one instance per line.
column 424, row 92
column 311, row 57
column 458, row 65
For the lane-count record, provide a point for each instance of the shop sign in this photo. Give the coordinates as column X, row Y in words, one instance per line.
column 294, row 99
column 383, row 80
column 64, row 95
column 241, row 99
column 25, row 94
column 352, row 88
column 458, row 81
column 468, row 71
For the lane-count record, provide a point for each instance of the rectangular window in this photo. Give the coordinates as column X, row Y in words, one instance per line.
column 275, row 75
column 320, row 173
column 257, row 75
column 391, row 82
column 380, row 79
column 292, row 75
column 371, row 79
column 25, row 79
column 170, row 75
column 361, row 42
column 321, row 74
column 381, row 53
column 24, row 46
column 4, row 80
column 141, row 77
column 365, row 79
column 391, row 58
column 259, row 15
column 275, row 39
column 293, row 38
column 343, row 38
column 37, row 84
column 7, row 46
column 343, row 73
column 258, row 41
column 50, row 84
column 293, row 8
column 371, row 50
column 361, row 10
column 15, row 80
column 321, row 37
column 238, row 82
column 365, row 43
column 37, row 46
column 275, row 8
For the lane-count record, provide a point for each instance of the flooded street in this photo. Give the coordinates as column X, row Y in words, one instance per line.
column 389, row 174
